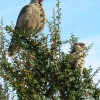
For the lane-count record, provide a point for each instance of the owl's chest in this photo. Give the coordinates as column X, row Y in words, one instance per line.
column 32, row 17
column 35, row 13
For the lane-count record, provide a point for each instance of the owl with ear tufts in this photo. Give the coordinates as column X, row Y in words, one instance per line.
column 31, row 17
column 78, row 56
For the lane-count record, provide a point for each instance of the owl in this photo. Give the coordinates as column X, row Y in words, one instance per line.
column 31, row 18
column 78, row 56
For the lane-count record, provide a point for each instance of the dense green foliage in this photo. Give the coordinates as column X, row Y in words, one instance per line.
column 41, row 71
column 2, row 93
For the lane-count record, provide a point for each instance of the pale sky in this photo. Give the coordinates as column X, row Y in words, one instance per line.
column 80, row 17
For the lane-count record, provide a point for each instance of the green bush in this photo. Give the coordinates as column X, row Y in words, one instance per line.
column 41, row 71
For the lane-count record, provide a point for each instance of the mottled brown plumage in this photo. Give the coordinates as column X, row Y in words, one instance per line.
column 78, row 56
column 31, row 17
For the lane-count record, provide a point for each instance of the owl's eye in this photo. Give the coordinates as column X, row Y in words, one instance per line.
column 81, row 45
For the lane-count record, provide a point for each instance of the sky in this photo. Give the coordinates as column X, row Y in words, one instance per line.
column 80, row 17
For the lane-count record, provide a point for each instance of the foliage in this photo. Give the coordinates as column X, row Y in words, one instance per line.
column 2, row 93
column 41, row 71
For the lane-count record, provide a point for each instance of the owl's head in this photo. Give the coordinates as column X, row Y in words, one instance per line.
column 78, row 46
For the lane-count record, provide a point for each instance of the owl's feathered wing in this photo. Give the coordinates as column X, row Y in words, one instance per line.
column 31, row 17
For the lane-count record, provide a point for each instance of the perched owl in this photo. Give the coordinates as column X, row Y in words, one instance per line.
column 78, row 56
column 31, row 17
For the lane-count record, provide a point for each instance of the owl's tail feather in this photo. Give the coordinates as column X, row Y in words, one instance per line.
column 13, row 49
